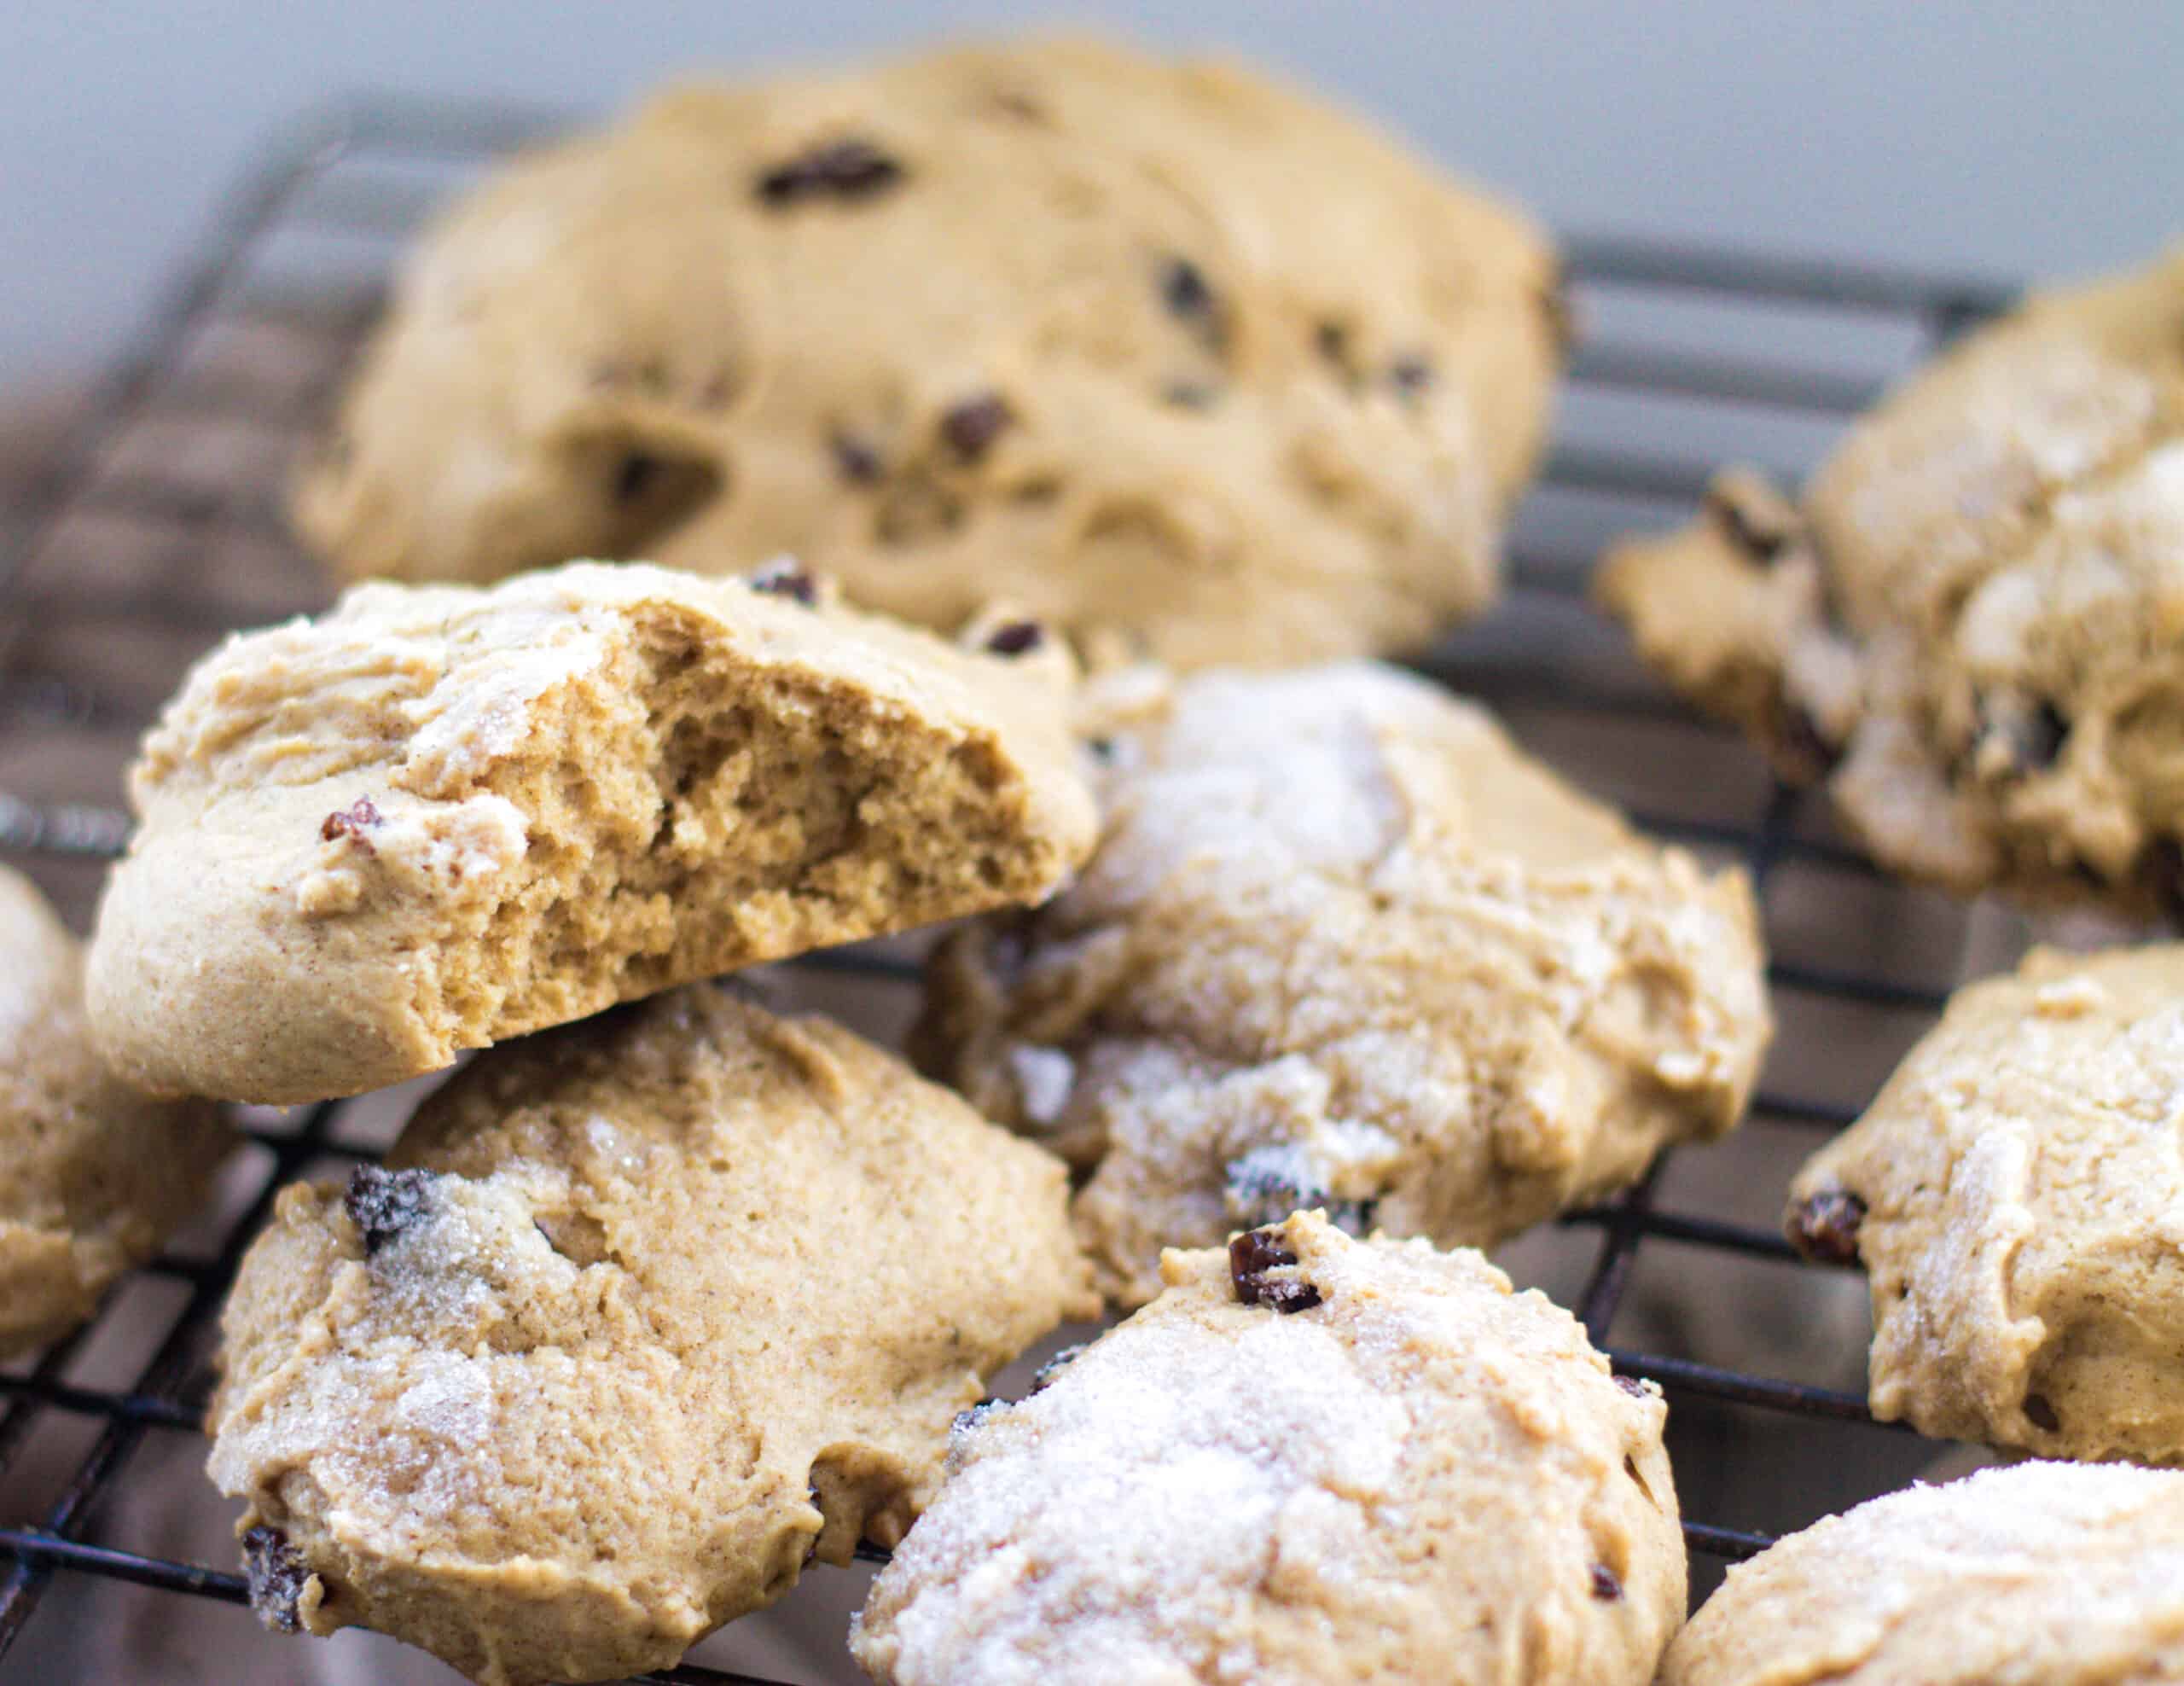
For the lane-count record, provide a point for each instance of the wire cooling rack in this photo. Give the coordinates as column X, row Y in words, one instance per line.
column 157, row 527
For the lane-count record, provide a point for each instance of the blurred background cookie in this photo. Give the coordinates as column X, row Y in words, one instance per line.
column 1181, row 359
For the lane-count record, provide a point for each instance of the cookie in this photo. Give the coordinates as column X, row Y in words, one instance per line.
column 439, row 816
column 641, row 1315
column 1178, row 358
column 1343, row 944
column 1311, row 1459
column 2042, row 1574
column 1971, row 625
column 2016, row 1194
column 94, row 1174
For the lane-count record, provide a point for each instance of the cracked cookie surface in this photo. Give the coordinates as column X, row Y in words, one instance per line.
column 2016, row 1194
column 2042, row 1574
column 1973, row 626
column 1417, row 1475
column 1181, row 359
column 438, row 816
column 94, row 1174
column 1343, row 944
column 641, row 1314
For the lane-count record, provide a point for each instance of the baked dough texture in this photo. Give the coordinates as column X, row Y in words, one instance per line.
column 2042, row 1574
column 439, row 816
column 94, row 1174
column 648, row 1311
column 1343, row 944
column 1311, row 1459
column 2016, row 1194
column 1179, row 358
column 1974, row 624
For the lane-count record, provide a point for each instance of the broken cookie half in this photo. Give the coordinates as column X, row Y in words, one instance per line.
column 437, row 817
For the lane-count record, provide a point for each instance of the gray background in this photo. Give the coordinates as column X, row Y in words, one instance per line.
column 2018, row 139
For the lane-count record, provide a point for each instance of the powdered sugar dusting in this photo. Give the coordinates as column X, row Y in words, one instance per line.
column 1221, row 1491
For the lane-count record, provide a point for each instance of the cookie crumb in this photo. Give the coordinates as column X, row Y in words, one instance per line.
column 352, row 822
column 1016, row 638
column 1251, row 1256
column 277, row 1577
column 786, row 578
column 850, row 169
column 1607, row 1586
column 383, row 1204
column 972, row 426
column 1824, row 1227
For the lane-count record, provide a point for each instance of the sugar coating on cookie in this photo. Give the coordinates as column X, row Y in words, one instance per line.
column 94, row 1174
column 1971, row 626
column 1343, row 944
column 1311, row 1459
column 2041, row 1574
column 1179, row 357
column 641, row 1315
column 2016, row 1194
column 438, row 816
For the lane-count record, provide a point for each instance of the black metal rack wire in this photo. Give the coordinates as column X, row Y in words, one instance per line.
column 157, row 527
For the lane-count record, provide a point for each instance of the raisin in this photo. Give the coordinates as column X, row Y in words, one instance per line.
column 1824, row 1227
column 850, row 169
column 2041, row 1414
column 1251, row 1255
column 858, row 462
column 1264, row 1186
column 1016, row 638
column 787, row 579
column 1055, row 1365
column 1632, row 1385
column 352, row 822
column 1332, row 340
column 277, row 1576
column 1189, row 299
column 974, row 425
column 965, row 1422
column 1607, row 1586
column 1410, row 374
column 382, row 1204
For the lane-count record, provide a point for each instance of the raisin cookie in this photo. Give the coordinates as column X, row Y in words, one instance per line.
column 94, row 1174
column 641, row 1315
column 1342, row 943
column 1180, row 359
column 1974, row 627
column 2042, row 1574
column 1311, row 1459
column 439, row 816
column 2016, row 1194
